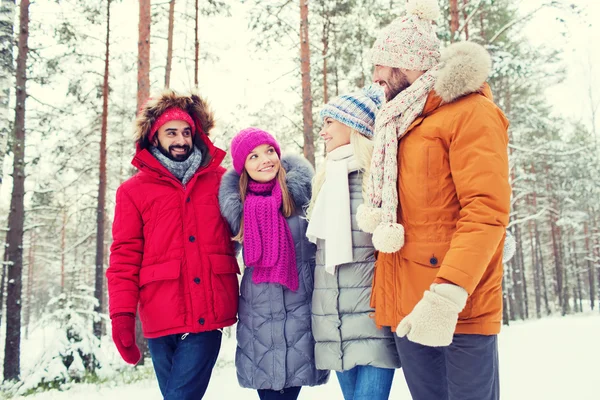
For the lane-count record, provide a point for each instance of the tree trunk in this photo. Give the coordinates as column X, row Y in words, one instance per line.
column 596, row 250
column 325, row 40
column 465, row 17
column 523, row 277
column 590, row 266
column 16, row 217
column 505, row 316
column 63, row 250
column 7, row 71
column 516, row 275
column 100, row 211
column 536, row 273
column 482, row 26
column 544, row 282
column 143, row 94
column 577, row 294
column 143, row 91
column 3, row 282
column 517, row 291
column 30, row 265
column 307, row 117
column 196, row 46
column 509, row 290
column 170, row 44
column 564, row 244
column 453, row 19
column 336, row 75
column 558, row 273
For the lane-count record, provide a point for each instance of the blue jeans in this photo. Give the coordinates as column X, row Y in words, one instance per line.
column 365, row 382
column 184, row 363
column 290, row 393
column 465, row 370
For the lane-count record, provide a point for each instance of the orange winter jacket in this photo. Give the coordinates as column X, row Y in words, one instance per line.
column 454, row 197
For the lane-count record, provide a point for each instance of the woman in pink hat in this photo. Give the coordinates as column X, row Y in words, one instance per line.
column 263, row 200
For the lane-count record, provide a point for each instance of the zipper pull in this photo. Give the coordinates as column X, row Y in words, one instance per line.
column 184, row 336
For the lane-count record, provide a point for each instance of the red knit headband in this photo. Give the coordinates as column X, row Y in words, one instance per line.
column 171, row 114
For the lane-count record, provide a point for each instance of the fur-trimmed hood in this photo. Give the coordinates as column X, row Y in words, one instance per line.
column 465, row 68
column 299, row 175
column 192, row 103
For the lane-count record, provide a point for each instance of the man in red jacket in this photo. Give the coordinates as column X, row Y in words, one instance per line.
column 171, row 254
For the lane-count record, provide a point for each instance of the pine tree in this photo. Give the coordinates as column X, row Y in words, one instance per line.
column 16, row 218
column 7, row 13
column 101, row 211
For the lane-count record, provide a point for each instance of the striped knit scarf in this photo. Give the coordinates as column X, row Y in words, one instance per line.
column 379, row 213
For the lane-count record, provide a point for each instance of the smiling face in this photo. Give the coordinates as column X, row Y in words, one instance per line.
column 262, row 164
column 334, row 133
column 174, row 140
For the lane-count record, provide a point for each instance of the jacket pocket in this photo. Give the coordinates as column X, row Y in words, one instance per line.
column 419, row 265
column 161, row 297
column 224, row 272
column 423, row 261
column 436, row 166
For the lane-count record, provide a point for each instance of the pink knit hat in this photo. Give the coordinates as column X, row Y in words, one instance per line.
column 245, row 141
column 410, row 42
column 171, row 114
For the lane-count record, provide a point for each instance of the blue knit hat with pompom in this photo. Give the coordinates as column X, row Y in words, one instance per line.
column 356, row 110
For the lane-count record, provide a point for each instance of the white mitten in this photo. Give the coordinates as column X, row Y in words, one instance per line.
column 433, row 320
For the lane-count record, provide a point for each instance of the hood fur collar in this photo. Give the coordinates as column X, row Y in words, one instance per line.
column 193, row 104
column 465, row 68
column 299, row 175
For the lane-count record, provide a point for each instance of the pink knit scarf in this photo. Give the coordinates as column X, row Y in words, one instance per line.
column 268, row 243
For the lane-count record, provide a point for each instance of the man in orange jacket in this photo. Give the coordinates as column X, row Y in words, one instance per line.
column 438, row 204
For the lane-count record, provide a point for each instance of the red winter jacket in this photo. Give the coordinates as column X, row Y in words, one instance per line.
column 171, row 250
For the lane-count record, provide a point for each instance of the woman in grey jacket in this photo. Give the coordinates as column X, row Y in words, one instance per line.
column 348, row 341
column 263, row 200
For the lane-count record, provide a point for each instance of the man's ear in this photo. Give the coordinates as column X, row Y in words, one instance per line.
column 155, row 141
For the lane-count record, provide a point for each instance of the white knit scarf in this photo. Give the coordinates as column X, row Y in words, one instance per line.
column 331, row 218
column 378, row 215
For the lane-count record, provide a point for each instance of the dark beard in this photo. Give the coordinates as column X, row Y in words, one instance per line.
column 397, row 84
column 167, row 152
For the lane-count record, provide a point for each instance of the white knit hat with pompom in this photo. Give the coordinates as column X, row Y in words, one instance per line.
column 410, row 42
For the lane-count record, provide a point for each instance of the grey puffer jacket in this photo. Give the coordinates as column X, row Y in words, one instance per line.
column 346, row 335
column 275, row 346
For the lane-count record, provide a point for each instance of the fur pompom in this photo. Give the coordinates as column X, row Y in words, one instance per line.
column 427, row 10
column 466, row 67
column 388, row 237
column 368, row 218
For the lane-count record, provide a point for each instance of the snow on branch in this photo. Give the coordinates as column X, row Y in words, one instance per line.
column 528, row 218
column 549, row 153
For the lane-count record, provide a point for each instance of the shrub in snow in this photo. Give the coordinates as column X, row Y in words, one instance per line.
column 74, row 354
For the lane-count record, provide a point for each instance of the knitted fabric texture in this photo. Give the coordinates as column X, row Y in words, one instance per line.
column 382, row 197
column 182, row 170
column 268, row 243
column 245, row 141
column 410, row 42
column 356, row 110
column 171, row 114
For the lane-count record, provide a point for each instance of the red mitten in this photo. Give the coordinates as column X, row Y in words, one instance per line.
column 123, row 333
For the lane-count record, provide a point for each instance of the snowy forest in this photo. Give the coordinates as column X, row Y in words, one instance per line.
column 74, row 72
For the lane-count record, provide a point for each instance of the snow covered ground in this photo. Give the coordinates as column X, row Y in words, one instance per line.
column 551, row 359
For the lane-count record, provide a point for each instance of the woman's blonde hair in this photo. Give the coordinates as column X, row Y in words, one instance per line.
column 363, row 151
column 287, row 208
